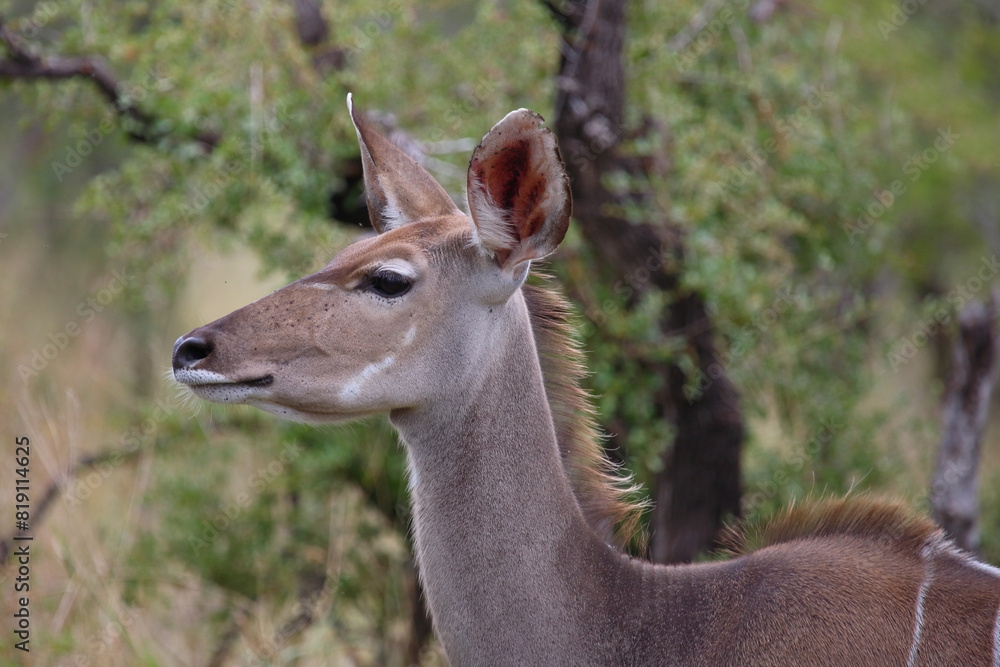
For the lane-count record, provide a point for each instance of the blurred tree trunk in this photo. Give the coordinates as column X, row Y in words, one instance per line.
column 700, row 483
column 955, row 482
column 314, row 33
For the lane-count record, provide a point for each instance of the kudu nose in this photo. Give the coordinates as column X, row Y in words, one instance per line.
column 190, row 350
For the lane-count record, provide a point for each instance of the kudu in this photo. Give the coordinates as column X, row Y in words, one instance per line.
column 514, row 505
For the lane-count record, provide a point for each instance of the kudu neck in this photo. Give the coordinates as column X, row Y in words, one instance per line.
column 502, row 545
column 492, row 415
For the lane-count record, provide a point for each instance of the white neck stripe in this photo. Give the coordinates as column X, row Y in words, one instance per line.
column 996, row 640
column 918, row 624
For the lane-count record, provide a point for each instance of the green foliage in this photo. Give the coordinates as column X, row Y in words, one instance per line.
column 779, row 139
column 796, row 203
column 768, row 168
column 264, row 524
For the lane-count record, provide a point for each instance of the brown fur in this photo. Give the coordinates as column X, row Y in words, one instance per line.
column 606, row 496
column 864, row 516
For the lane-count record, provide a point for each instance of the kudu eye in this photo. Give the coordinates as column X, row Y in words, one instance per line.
column 389, row 283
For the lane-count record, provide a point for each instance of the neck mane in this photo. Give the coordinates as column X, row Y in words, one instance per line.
column 863, row 516
column 606, row 495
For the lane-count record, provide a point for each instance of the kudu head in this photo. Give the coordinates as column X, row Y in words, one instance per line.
column 399, row 320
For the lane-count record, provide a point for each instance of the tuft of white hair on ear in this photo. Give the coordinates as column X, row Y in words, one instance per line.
column 492, row 229
column 392, row 217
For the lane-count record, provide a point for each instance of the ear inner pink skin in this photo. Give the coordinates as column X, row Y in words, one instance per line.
column 518, row 190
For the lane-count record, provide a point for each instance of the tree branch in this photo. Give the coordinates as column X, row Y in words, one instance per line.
column 564, row 19
column 21, row 63
column 56, row 485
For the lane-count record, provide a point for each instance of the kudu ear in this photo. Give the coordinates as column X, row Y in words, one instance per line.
column 398, row 189
column 519, row 193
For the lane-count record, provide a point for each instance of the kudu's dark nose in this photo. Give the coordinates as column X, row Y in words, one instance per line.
column 190, row 350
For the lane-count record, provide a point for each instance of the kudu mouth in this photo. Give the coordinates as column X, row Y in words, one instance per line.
column 190, row 351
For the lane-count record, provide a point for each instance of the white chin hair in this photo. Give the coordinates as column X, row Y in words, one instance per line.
column 197, row 377
column 215, row 387
column 305, row 416
column 224, row 393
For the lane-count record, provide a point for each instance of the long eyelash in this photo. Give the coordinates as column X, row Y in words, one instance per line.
column 389, row 275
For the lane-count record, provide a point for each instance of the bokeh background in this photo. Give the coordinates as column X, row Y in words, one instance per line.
column 783, row 207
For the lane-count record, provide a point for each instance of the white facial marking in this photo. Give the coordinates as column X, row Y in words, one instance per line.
column 190, row 376
column 399, row 266
column 351, row 389
column 410, row 335
column 918, row 625
column 323, row 286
